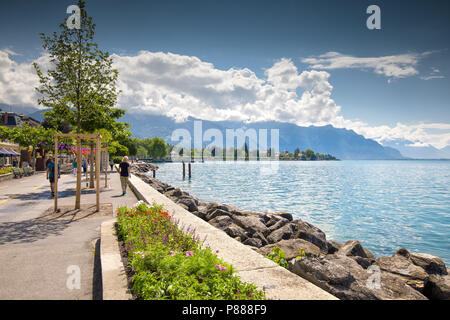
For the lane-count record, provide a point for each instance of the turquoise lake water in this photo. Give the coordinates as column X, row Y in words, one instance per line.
column 383, row 204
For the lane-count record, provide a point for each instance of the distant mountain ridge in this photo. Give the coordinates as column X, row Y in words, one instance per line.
column 425, row 152
column 341, row 143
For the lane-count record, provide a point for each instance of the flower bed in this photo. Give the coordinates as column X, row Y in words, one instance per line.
column 6, row 170
column 171, row 264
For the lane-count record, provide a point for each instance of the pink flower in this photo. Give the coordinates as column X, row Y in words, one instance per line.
column 217, row 251
column 221, row 268
column 189, row 253
column 172, row 253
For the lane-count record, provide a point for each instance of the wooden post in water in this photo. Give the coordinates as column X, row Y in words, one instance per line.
column 189, row 168
column 184, row 169
column 154, row 173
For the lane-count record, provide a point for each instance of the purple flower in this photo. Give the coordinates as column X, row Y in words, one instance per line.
column 172, row 253
column 189, row 253
column 221, row 268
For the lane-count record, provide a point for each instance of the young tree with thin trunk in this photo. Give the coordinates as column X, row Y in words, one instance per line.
column 79, row 87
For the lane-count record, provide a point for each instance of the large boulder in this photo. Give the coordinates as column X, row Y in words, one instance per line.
column 253, row 242
column 210, row 207
column 431, row 264
column 211, row 214
column 343, row 277
column 236, row 232
column 286, row 232
column 221, row 222
column 355, row 250
column 176, row 193
column 308, row 232
column 333, row 246
column 189, row 202
column 291, row 248
column 251, row 224
column 277, row 224
column 438, row 287
column 332, row 277
column 401, row 266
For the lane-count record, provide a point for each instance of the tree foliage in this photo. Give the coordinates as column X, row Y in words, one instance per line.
column 79, row 87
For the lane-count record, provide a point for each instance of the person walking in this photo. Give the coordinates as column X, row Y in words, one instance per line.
column 111, row 163
column 124, row 174
column 84, row 166
column 51, row 174
column 74, row 166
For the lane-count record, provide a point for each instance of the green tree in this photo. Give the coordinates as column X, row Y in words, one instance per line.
column 296, row 153
column 80, row 86
column 5, row 133
column 157, row 148
column 33, row 137
column 309, row 154
column 141, row 152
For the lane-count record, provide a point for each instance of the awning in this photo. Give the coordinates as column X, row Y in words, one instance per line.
column 13, row 152
column 4, row 152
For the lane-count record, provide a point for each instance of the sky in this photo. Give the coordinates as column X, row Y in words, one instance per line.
column 305, row 62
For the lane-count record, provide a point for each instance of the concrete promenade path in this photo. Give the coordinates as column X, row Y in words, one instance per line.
column 42, row 258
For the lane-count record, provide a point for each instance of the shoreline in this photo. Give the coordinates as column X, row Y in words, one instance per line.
column 346, row 270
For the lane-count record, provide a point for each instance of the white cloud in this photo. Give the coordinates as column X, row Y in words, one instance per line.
column 180, row 86
column 395, row 66
column 18, row 80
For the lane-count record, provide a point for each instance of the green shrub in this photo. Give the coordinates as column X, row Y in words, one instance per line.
column 277, row 255
column 171, row 264
column 6, row 170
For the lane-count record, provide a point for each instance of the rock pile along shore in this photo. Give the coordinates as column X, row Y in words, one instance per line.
column 348, row 271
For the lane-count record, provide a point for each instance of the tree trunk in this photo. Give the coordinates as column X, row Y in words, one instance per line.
column 78, row 193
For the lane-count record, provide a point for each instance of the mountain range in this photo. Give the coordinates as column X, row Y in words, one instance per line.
column 342, row 143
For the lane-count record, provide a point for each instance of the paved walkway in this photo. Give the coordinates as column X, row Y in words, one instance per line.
column 40, row 259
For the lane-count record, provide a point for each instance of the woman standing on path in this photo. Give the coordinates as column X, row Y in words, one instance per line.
column 124, row 174
column 51, row 174
column 74, row 166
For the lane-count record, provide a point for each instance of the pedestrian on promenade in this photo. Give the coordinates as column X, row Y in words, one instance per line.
column 51, row 174
column 124, row 174
column 74, row 165
column 84, row 166
column 111, row 163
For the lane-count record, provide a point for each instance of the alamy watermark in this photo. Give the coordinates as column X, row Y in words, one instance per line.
column 74, row 21
column 374, row 281
column 74, row 279
column 374, row 20
column 239, row 144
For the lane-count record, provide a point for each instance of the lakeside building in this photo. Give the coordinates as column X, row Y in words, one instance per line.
column 12, row 120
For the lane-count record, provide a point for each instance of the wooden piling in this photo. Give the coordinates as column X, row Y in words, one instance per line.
column 184, row 169
column 189, row 168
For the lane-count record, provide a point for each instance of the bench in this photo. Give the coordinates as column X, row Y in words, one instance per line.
column 17, row 173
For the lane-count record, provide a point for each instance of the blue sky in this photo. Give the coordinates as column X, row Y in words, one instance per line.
column 256, row 35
